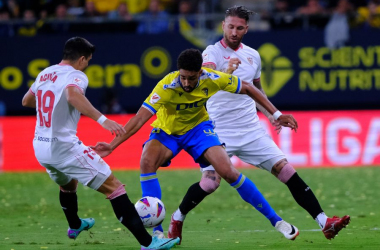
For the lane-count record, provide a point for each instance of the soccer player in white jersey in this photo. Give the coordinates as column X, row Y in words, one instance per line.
column 58, row 97
column 237, row 124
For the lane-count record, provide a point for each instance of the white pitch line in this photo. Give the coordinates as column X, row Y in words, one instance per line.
column 265, row 231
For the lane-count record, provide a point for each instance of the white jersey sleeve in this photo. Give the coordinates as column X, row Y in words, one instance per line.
column 211, row 57
column 258, row 70
column 79, row 80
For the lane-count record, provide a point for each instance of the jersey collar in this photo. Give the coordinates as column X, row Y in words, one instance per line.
column 223, row 43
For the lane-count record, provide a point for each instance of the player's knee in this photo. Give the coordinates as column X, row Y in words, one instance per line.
column 208, row 185
column 70, row 187
column 120, row 190
column 286, row 173
column 147, row 165
column 231, row 175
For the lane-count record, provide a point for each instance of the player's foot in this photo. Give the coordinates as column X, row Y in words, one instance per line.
column 161, row 243
column 289, row 231
column 86, row 224
column 175, row 229
column 158, row 234
column 334, row 225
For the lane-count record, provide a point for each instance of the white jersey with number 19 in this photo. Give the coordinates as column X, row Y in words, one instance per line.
column 57, row 120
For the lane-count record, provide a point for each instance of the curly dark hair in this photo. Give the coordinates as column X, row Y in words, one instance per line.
column 190, row 59
column 239, row 11
column 76, row 47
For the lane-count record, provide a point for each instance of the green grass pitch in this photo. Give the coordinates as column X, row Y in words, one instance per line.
column 31, row 217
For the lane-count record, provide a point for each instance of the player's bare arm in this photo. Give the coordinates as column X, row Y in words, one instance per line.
column 259, row 97
column 83, row 105
column 29, row 100
column 274, row 122
column 133, row 125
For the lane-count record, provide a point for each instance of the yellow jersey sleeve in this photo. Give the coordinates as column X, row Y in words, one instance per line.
column 159, row 96
column 224, row 81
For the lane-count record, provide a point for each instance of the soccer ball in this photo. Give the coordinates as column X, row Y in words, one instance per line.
column 151, row 211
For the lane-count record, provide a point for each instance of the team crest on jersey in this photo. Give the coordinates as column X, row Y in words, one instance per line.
column 205, row 91
column 155, row 98
column 250, row 60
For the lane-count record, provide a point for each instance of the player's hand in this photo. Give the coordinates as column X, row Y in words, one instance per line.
column 288, row 121
column 115, row 128
column 275, row 123
column 233, row 64
column 102, row 149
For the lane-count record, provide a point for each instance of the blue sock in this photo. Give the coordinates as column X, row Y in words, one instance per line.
column 249, row 192
column 151, row 187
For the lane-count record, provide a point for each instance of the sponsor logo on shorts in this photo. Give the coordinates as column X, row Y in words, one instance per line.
column 209, row 132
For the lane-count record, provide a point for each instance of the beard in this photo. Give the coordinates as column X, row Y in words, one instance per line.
column 187, row 88
column 233, row 43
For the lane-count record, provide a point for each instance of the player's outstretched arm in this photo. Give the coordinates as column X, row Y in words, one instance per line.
column 260, row 98
column 29, row 100
column 133, row 125
column 270, row 117
column 83, row 105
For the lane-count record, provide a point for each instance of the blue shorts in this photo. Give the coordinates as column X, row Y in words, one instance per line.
column 195, row 141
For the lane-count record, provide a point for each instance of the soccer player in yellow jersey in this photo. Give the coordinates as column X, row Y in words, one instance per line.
column 183, row 123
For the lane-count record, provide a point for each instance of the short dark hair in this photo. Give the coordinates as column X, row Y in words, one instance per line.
column 190, row 59
column 76, row 47
column 239, row 11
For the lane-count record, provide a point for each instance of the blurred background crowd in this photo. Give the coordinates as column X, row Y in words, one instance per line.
column 31, row 17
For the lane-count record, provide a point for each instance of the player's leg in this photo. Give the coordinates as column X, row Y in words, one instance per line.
column 68, row 198
column 69, row 203
column 195, row 194
column 218, row 158
column 265, row 154
column 157, row 152
column 126, row 213
column 209, row 182
column 305, row 197
column 90, row 170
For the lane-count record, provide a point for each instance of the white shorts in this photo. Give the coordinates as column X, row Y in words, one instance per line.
column 255, row 147
column 85, row 165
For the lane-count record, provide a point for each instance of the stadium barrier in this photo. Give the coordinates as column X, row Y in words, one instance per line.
column 324, row 139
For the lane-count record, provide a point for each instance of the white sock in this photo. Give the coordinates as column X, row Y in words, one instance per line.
column 178, row 215
column 321, row 219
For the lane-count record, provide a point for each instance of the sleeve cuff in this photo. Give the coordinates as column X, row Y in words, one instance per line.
column 149, row 108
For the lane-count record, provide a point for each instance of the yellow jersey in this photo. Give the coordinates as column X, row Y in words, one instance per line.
column 179, row 111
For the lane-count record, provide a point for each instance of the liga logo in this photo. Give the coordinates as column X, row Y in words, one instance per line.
column 276, row 70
